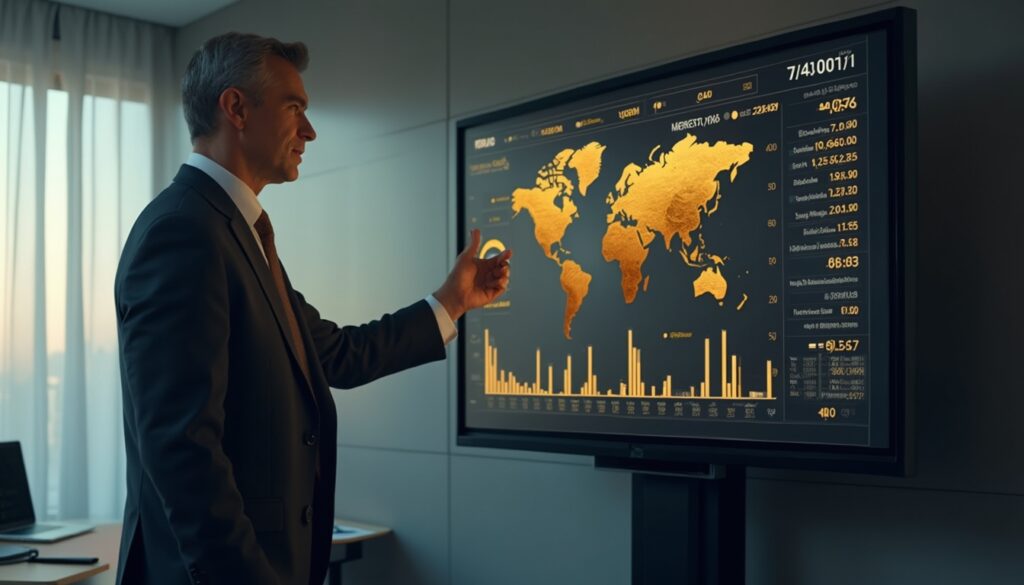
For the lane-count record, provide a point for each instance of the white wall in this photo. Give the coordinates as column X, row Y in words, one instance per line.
column 369, row 227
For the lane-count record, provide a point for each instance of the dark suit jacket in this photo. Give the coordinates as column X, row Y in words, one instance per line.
column 222, row 429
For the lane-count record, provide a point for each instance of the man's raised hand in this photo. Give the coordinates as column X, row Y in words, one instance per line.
column 473, row 282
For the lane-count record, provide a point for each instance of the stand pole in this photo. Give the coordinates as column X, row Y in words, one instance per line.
column 689, row 530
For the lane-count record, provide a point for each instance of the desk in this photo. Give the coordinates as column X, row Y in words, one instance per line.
column 102, row 542
column 347, row 547
column 105, row 541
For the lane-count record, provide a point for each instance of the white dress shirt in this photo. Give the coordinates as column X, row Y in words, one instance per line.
column 247, row 203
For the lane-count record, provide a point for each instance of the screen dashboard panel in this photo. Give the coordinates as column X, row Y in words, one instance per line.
column 708, row 253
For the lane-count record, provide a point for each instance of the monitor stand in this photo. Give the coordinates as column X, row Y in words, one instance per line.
column 689, row 523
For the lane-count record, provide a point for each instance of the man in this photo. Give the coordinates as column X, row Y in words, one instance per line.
column 229, row 423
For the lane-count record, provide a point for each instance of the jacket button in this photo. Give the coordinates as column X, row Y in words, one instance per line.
column 307, row 514
column 310, row 439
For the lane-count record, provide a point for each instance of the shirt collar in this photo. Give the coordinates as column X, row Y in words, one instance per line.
column 240, row 193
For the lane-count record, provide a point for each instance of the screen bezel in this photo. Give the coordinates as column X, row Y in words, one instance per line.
column 900, row 27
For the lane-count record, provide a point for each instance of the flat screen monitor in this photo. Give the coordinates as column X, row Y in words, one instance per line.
column 711, row 257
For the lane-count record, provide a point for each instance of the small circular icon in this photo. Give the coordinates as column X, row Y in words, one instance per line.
column 491, row 248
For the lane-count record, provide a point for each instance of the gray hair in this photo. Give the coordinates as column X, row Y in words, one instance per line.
column 230, row 60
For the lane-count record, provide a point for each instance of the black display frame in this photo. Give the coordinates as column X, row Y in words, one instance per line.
column 668, row 454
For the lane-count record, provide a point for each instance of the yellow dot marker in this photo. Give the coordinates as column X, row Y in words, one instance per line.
column 735, row 114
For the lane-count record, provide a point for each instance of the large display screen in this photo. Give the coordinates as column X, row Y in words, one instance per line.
column 708, row 252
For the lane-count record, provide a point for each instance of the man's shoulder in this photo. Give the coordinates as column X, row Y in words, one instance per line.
column 181, row 203
column 178, row 208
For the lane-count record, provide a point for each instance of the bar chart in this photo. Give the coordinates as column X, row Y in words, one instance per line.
column 729, row 386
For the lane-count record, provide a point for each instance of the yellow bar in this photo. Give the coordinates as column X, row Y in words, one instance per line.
column 739, row 381
column 487, row 361
column 768, row 378
column 629, row 361
column 632, row 372
column 725, row 369
column 568, row 373
column 636, row 366
column 707, row 366
column 638, row 389
column 668, row 385
column 551, row 379
column 639, row 374
column 703, row 389
column 590, row 367
column 733, row 377
column 536, row 386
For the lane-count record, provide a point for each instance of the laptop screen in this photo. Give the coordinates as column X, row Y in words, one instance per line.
column 15, row 500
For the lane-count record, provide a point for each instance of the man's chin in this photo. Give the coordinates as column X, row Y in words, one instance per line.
column 289, row 175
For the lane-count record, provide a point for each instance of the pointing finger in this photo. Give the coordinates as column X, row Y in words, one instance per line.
column 474, row 243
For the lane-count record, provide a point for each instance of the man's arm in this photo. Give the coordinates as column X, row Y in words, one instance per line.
column 173, row 313
column 355, row 355
column 352, row 356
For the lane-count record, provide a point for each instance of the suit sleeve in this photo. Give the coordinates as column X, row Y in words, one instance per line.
column 355, row 355
column 172, row 302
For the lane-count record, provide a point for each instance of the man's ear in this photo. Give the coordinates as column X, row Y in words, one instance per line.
column 234, row 107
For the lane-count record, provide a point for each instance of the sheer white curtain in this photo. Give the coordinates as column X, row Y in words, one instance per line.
column 85, row 100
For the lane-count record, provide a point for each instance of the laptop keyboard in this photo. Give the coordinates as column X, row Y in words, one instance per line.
column 34, row 529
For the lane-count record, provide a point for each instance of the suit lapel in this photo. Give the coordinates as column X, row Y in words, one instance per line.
column 213, row 192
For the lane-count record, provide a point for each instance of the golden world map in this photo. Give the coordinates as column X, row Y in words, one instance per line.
column 668, row 196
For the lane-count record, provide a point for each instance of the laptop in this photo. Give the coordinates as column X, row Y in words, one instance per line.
column 17, row 517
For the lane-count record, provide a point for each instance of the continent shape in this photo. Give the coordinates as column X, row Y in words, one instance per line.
column 549, row 203
column 576, row 284
column 587, row 164
column 667, row 197
column 711, row 282
column 552, row 211
column 627, row 246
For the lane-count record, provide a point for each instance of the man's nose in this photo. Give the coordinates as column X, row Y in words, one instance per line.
column 306, row 131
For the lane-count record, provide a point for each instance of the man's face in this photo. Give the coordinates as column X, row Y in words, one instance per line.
column 277, row 130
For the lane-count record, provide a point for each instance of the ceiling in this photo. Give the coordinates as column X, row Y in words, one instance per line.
column 175, row 13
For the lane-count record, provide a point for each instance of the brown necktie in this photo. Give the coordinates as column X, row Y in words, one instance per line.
column 266, row 233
